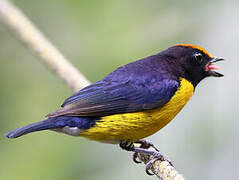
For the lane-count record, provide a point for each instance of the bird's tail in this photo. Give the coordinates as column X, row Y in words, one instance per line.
column 52, row 123
column 38, row 126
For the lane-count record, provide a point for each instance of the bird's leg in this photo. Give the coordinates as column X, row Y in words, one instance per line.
column 144, row 149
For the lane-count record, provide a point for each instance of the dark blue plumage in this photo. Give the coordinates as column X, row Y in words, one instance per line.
column 141, row 85
column 54, row 123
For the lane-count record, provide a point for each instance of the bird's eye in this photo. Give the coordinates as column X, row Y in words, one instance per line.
column 198, row 57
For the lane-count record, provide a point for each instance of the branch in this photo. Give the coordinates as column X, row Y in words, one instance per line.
column 23, row 30
column 34, row 40
column 162, row 169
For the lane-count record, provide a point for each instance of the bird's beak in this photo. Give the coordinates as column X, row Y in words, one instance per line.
column 210, row 67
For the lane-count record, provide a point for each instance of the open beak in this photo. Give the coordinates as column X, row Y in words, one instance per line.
column 211, row 67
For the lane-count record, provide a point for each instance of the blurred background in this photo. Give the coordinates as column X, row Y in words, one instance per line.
column 98, row 37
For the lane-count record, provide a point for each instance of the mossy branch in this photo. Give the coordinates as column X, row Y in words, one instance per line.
column 23, row 30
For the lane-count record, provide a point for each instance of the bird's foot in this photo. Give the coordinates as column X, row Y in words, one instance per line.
column 156, row 154
column 144, row 148
column 127, row 145
column 144, row 144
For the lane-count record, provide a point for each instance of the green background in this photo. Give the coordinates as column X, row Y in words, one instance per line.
column 98, row 37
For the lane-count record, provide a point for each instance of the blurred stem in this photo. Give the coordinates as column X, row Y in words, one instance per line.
column 23, row 30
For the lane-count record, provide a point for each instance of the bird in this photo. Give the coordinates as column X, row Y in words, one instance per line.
column 134, row 101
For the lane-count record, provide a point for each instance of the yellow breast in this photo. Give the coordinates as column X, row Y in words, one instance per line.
column 138, row 125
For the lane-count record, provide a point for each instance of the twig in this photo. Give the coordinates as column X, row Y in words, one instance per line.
column 25, row 32
column 162, row 169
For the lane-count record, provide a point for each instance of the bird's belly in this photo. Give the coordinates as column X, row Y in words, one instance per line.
column 138, row 125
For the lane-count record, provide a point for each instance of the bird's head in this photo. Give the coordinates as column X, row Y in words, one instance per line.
column 194, row 62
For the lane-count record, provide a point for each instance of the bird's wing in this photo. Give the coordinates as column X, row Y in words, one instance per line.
column 112, row 97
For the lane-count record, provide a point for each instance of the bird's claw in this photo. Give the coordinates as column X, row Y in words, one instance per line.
column 149, row 165
column 127, row 145
column 145, row 149
column 156, row 156
column 135, row 157
column 145, row 144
